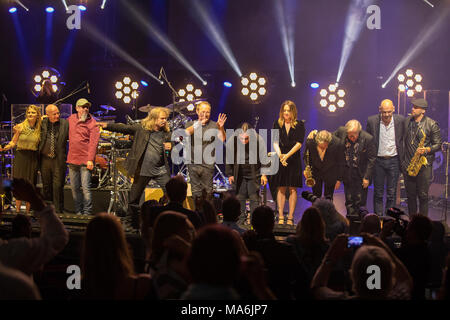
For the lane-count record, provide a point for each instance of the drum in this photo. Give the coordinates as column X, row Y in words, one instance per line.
column 101, row 161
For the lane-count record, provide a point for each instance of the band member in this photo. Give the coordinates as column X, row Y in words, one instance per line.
column 83, row 140
column 201, row 173
column 26, row 138
column 292, row 133
column 52, row 151
column 422, row 139
column 147, row 159
column 359, row 159
column 387, row 130
column 245, row 174
column 325, row 156
column 47, row 95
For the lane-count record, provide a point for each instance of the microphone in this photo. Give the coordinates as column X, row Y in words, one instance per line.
column 160, row 73
column 88, row 88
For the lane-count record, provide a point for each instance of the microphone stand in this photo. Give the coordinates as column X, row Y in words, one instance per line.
column 57, row 102
column 444, row 215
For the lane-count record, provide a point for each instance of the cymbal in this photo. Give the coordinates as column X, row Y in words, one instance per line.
column 109, row 108
column 182, row 105
column 98, row 113
column 147, row 108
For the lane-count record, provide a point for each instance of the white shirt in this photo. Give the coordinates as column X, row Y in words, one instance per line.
column 386, row 146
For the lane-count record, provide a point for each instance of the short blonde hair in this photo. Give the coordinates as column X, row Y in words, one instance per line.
column 323, row 136
column 353, row 125
column 201, row 104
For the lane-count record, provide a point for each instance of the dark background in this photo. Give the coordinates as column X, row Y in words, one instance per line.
column 252, row 32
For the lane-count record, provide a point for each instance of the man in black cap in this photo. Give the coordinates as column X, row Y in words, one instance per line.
column 422, row 138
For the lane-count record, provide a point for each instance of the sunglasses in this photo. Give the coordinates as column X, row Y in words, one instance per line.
column 85, row 106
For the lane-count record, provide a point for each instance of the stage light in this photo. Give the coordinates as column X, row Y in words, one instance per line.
column 103, row 7
column 293, row 84
column 50, row 9
column 205, row 83
column 227, row 84
column 144, row 83
column 83, row 8
column 46, row 73
column 12, row 10
column 189, row 93
column 314, row 85
column 126, row 90
column 190, row 107
column 332, row 98
column 410, row 82
column 253, row 86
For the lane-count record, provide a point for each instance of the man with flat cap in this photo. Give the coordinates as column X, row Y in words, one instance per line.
column 387, row 131
column 83, row 140
column 422, row 138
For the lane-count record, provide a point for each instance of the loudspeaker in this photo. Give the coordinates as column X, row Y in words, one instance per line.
column 100, row 200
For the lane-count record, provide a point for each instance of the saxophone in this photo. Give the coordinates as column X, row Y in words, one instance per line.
column 417, row 160
column 310, row 182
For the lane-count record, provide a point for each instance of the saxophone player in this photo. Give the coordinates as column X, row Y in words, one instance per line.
column 324, row 154
column 422, row 139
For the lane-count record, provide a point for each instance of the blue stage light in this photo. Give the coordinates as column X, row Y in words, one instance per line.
column 314, row 85
column 82, row 8
column 12, row 10
column 227, row 84
column 144, row 83
column 50, row 9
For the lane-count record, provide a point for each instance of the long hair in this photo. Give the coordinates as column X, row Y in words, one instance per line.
column 311, row 229
column 105, row 259
column 47, row 88
column 149, row 122
column 37, row 127
column 292, row 109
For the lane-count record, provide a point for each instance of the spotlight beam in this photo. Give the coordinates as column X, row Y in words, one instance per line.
column 65, row 4
column 103, row 4
column 286, row 23
column 429, row 3
column 102, row 38
column 215, row 34
column 425, row 37
column 161, row 39
column 353, row 26
column 21, row 4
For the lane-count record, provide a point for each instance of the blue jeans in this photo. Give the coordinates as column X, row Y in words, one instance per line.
column 80, row 182
column 386, row 173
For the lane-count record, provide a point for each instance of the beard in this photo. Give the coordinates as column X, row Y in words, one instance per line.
column 83, row 117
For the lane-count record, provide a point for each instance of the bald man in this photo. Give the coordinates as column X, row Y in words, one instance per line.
column 387, row 130
column 52, row 155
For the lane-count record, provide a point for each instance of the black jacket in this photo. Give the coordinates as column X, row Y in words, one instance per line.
column 367, row 152
column 61, row 143
column 331, row 168
column 140, row 141
column 232, row 169
column 373, row 127
column 433, row 139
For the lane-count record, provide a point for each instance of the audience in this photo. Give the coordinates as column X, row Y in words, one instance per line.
column 231, row 210
column 438, row 253
column 172, row 238
column 20, row 226
column 310, row 242
column 395, row 281
column 371, row 223
column 286, row 276
column 176, row 189
column 335, row 223
column 107, row 265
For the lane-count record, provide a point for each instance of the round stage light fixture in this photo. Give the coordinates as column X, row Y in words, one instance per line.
column 12, row 10
column 314, row 85
column 144, row 83
column 332, row 108
column 409, row 82
column 227, row 84
column 49, row 74
column 189, row 93
column 332, row 98
column 254, row 87
column 126, row 89
column 323, row 102
column 50, row 9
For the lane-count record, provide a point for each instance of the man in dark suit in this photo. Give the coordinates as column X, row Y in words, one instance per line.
column 359, row 159
column 325, row 155
column 52, row 151
column 387, row 130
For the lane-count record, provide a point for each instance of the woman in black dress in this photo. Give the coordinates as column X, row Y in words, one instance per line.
column 47, row 95
column 292, row 133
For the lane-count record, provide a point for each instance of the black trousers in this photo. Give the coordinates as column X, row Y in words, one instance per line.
column 137, row 189
column 417, row 188
column 328, row 186
column 53, row 175
column 355, row 194
column 200, row 178
column 247, row 189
